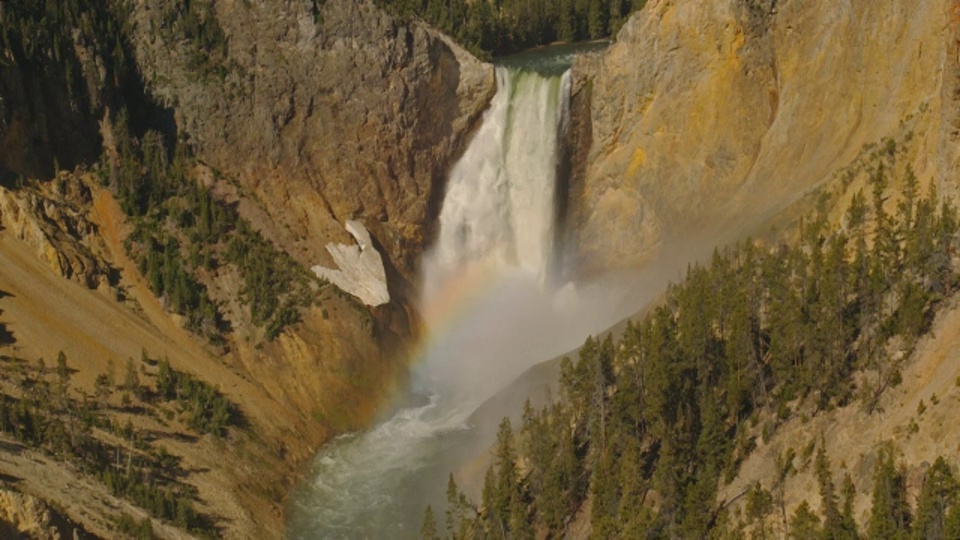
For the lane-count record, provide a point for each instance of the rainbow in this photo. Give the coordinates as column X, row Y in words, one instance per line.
column 454, row 300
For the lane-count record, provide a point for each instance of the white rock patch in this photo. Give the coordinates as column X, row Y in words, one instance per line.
column 360, row 271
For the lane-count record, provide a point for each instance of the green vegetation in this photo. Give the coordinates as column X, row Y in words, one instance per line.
column 890, row 512
column 275, row 286
column 207, row 410
column 140, row 530
column 40, row 36
column 672, row 407
column 504, row 26
column 44, row 416
column 182, row 232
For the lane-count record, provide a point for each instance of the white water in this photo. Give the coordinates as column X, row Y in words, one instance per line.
column 497, row 235
column 498, row 212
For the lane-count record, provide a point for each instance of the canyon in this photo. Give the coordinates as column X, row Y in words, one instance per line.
column 700, row 124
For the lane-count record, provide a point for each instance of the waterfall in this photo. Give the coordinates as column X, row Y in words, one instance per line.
column 490, row 274
column 498, row 211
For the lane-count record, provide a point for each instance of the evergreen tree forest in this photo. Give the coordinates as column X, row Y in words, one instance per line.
column 183, row 232
column 497, row 27
column 40, row 407
column 39, row 36
column 648, row 425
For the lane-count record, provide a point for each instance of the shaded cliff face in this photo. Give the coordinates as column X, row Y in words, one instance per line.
column 325, row 112
column 715, row 116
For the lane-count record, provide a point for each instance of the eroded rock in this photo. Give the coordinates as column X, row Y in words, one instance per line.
column 51, row 219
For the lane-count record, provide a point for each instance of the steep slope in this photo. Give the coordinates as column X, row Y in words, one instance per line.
column 300, row 115
column 45, row 314
column 709, row 121
column 717, row 115
column 916, row 417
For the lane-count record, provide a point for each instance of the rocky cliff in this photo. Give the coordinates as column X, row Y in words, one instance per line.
column 53, row 221
column 325, row 112
column 715, row 116
column 712, row 120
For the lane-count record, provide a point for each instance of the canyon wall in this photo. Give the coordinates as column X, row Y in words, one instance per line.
column 706, row 119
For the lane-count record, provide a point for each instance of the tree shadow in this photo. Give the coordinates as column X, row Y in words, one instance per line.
column 11, row 448
column 183, row 437
column 179, row 436
column 9, row 479
column 6, row 336
column 136, row 409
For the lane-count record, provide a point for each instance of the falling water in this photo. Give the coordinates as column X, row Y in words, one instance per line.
column 496, row 241
column 499, row 208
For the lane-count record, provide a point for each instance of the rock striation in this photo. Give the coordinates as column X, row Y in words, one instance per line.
column 310, row 115
column 715, row 116
column 360, row 269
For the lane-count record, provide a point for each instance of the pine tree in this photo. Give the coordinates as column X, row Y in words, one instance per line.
column 939, row 494
column 493, row 521
column 953, row 521
column 597, row 19
column 566, row 26
column 131, row 380
column 103, row 389
column 804, row 525
column 617, row 13
column 505, row 458
column 521, row 527
column 848, row 523
column 634, row 516
column 63, row 378
column 454, row 510
column 429, row 529
column 890, row 513
column 832, row 523
column 605, row 491
column 166, row 381
column 111, row 373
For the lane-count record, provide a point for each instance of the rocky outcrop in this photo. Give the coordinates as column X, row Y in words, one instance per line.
column 51, row 219
column 24, row 516
column 705, row 119
column 325, row 112
column 313, row 114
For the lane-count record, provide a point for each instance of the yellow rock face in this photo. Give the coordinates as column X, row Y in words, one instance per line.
column 709, row 118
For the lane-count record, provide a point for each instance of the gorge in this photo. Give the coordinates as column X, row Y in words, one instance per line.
column 277, row 268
